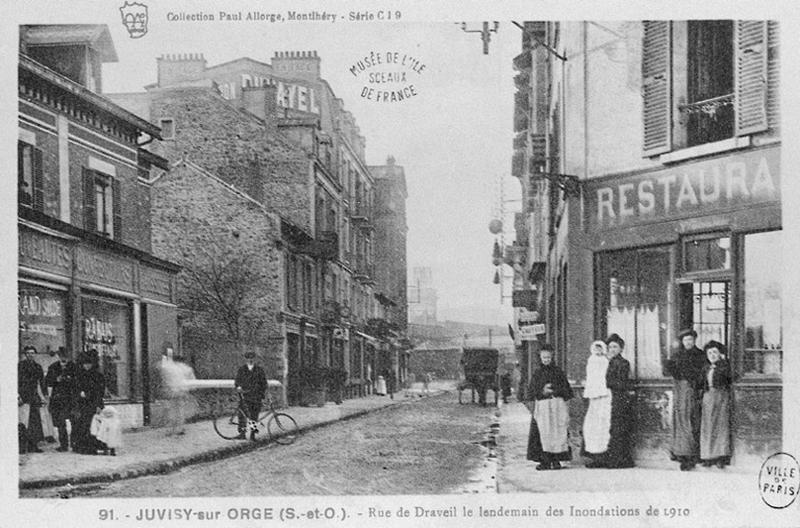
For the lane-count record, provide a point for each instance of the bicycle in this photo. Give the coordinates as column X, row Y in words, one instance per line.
column 279, row 426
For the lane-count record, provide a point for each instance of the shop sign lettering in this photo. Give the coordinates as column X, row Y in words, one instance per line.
column 98, row 331
column 96, row 267
column 41, row 251
column 155, row 283
column 36, row 306
column 691, row 189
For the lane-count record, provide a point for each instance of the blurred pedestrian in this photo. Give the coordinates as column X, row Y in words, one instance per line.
column 174, row 377
column 426, row 382
column 90, row 388
column 715, row 429
column 30, row 397
column 597, row 422
column 61, row 382
column 550, row 391
column 251, row 383
column 687, row 370
column 505, row 386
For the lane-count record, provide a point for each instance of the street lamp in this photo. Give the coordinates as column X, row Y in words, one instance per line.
column 485, row 33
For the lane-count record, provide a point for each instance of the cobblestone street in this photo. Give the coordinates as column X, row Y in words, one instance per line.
column 429, row 446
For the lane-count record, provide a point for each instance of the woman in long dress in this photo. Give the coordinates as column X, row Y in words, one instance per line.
column 687, row 368
column 620, row 444
column 550, row 390
column 715, row 432
column 597, row 422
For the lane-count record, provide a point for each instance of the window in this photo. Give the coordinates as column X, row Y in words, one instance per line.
column 167, row 126
column 707, row 80
column 30, row 178
column 707, row 254
column 709, row 108
column 106, row 325
column 634, row 301
column 101, row 204
column 706, row 307
column 763, row 335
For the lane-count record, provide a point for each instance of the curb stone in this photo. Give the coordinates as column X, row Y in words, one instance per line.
column 171, row 465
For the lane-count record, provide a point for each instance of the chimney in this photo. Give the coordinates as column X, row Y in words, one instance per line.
column 261, row 101
column 300, row 65
column 175, row 69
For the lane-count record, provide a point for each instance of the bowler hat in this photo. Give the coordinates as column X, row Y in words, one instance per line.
column 687, row 332
column 249, row 354
column 86, row 357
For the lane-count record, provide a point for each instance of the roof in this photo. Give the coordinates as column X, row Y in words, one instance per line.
column 96, row 36
column 36, row 68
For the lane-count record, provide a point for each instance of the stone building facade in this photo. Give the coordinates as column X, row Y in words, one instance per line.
column 650, row 169
column 88, row 278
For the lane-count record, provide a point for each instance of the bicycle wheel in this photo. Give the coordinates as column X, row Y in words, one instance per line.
column 227, row 425
column 282, row 428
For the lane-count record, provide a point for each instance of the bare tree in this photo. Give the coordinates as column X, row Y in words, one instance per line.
column 226, row 286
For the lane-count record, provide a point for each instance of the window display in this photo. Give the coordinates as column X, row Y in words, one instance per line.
column 106, row 329
column 763, row 338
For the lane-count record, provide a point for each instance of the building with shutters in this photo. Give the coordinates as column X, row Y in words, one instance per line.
column 88, row 279
column 649, row 159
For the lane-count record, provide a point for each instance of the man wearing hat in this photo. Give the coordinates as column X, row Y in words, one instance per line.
column 251, row 383
column 60, row 379
column 90, row 386
column 686, row 367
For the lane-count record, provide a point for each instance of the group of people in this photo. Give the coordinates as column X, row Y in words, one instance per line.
column 701, row 430
column 70, row 393
column 702, row 400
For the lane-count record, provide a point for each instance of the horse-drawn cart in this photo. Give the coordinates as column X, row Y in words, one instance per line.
column 480, row 373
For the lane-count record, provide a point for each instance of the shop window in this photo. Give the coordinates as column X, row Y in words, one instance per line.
column 105, row 329
column 102, row 204
column 30, row 176
column 292, row 282
column 707, row 254
column 42, row 317
column 634, row 301
column 763, row 334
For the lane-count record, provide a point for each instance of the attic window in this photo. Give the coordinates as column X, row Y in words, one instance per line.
column 167, row 128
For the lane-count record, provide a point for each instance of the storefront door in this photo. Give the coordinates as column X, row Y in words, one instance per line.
column 706, row 306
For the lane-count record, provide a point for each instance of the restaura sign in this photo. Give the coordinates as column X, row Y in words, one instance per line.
column 691, row 189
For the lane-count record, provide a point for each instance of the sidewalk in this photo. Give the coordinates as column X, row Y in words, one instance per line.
column 516, row 474
column 152, row 450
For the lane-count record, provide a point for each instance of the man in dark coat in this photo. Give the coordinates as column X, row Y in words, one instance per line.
column 30, row 392
column 251, row 383
column 61, row 382
column 687, row 370
column 90, row 386
column 620, row 445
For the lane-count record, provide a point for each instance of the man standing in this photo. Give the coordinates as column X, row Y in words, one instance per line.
column 30, row 385
column 61, row 388
column 251, row 383
column 687, row 370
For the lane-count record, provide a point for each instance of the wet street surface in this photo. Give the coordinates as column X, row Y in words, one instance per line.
column 429, row 446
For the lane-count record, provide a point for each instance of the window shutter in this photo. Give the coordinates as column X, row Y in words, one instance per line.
column 38, row 180
column 117, row 206
column 657, row 86
column 89, row 204
column 773, row 79
column 751, row 76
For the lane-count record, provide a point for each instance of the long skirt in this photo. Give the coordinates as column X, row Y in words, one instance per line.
column 597, row 425
column 548, row 431
column 620, row 444
column 686, row 426
column 715, row 429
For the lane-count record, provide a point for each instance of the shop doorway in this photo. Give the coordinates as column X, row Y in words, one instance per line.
column 705, row 306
